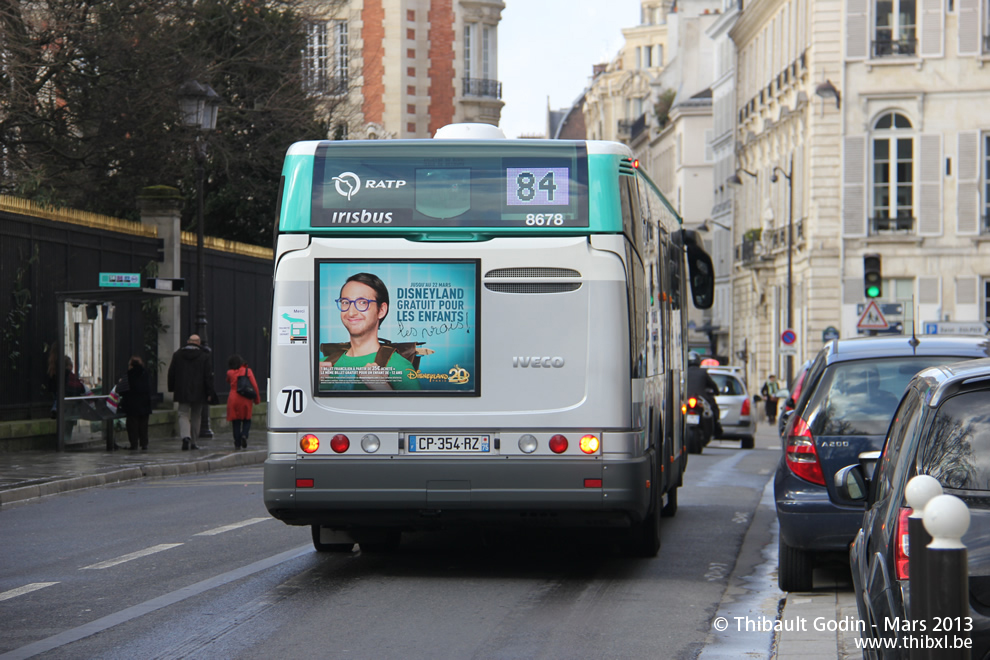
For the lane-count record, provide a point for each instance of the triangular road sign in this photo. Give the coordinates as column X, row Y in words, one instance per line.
column 872, row 318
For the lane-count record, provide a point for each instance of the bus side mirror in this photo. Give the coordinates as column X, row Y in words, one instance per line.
column 702, row 274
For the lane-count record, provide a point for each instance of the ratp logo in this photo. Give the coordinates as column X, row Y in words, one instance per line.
column 347, row 184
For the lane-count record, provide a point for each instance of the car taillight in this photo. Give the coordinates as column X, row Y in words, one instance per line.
column 745, row 408
column 802, row 457
column 902, row 547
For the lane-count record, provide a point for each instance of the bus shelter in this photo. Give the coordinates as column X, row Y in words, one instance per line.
column 86, row 335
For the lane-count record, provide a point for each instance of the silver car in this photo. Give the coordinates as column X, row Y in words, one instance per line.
column 735, row 406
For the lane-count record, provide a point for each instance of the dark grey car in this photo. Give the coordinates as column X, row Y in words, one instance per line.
column 849, row 397
column 941, row 428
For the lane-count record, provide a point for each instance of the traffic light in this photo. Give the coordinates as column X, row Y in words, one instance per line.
column 872, row 278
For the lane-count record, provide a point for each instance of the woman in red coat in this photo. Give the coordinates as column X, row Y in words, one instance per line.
column 239, row 407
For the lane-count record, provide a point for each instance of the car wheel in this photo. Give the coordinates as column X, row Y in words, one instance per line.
column 748, row 442
column 328, row 547
column 794, row 568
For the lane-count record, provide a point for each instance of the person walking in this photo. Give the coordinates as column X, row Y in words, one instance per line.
column 769, row 392
column 240, row 406
column 136, row 402
column 190, row 378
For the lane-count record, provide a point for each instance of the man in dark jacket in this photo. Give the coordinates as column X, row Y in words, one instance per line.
column 190, row 377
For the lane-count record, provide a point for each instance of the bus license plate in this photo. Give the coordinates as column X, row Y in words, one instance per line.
column 449, row 444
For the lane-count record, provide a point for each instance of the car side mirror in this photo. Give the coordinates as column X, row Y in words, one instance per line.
column 868, row 463
column 790, row 403
column 850, row 483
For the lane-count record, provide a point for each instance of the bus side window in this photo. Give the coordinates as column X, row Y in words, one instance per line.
column 673, row 253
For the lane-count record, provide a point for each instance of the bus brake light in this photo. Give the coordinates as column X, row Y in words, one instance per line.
column 309, row 443
column 558, row 444
column 340, row 443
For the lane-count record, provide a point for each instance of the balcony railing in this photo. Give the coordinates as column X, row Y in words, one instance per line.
column 324, row 85
column 491, row 89
column 889, row 47
column 885, row 225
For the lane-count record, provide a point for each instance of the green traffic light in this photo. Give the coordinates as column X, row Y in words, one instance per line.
column 872, row 292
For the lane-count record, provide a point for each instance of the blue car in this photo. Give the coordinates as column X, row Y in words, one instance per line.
column 849, row 396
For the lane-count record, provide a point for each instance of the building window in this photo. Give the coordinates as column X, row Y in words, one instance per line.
column 468, row 30
column 486, row 45
column 985, row 215
column 648, row 53
column 986, row 300
column 896, row 26
column 316, row 60
column 893, row 174
column 325, row 63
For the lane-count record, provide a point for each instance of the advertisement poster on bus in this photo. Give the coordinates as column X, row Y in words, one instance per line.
column 388, row 327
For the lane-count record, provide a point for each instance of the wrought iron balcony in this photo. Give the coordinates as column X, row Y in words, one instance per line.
column 891, row 47
column 325, row 85
column 484, row 87
column 887, row 225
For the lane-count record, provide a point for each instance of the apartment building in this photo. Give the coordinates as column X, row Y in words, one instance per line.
column 861, row 129
column 403, row 68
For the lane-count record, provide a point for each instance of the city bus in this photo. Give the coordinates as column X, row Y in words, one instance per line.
column 470, row 331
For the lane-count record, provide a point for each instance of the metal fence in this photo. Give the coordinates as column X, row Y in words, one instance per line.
column 40, row 256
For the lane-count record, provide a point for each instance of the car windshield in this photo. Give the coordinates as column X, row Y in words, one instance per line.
column 958, row 449
column 858, row 397
column 727, row 384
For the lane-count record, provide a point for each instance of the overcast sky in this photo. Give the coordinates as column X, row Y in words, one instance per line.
column 546, row 48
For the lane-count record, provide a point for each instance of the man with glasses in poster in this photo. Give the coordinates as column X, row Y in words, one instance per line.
column 365, row 363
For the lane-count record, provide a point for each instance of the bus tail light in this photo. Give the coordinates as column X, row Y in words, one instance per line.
column 309, row 443
column 558, row 444
column 901, row 546
column 340, row 443
column 589, row 444
column 802, row 457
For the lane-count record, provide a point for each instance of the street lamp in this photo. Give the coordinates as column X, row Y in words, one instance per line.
column 706, row 225
column 790, row 254
column 734, row 181
column 199, row 105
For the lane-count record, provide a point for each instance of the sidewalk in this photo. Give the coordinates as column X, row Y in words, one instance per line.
column 28, row 474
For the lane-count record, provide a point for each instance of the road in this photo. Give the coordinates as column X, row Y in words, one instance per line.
column 193, row 567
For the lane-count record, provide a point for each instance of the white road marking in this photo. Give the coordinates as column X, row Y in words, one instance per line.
column 132, row 556
column 141, row 609
column 26, row 589
column 232, row 526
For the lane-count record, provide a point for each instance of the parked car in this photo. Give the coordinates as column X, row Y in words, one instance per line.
column 735, row 406
column 941, row 428
column 849, row 396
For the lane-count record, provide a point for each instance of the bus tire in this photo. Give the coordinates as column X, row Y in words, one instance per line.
column 669, row 509
column 328, row 547
column 644, row 538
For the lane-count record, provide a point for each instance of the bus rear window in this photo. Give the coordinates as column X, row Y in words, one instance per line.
column 449, row 184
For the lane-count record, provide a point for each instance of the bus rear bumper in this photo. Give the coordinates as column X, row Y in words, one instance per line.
column 435, row 493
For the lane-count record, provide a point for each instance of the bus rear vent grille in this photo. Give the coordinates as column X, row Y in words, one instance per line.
column 626, row 167
column 533, row 272
column 532, row 287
